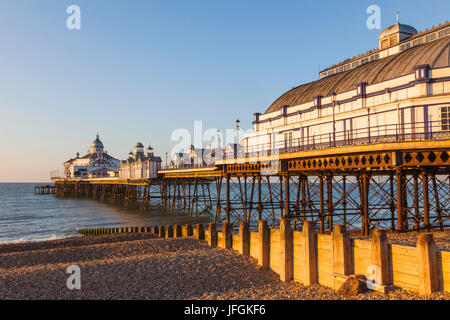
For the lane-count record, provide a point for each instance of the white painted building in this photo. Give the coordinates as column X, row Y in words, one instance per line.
column 96, row 163
column 400, row 91
column 190, row 157
column 140, row 165
column 233, row 151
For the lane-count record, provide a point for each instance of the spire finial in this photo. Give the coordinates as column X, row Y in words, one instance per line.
column 397, row 18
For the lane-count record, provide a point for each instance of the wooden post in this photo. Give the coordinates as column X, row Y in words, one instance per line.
column 309, row 238
column 189, row 231
column 244, row 239
column 428, row 268
column 341, row 255
column 161, row 232
column 169, row 231
column 200, row 234
column 286, row 250
column 227, row 237
column 380, row 259
column 186, row 231
column 212, row 235
column 177, row 231
column 264, row 244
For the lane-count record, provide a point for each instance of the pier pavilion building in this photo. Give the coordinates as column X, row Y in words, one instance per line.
column 140, row 164
column 397, row 92
column 96, row 163
column 193, row 157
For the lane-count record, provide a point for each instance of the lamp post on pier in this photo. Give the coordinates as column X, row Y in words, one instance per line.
column 238, row 123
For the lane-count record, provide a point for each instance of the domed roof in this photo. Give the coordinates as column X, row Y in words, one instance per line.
column 97, row 143
column 139, row 145
column 373, row 72
column 396, row 28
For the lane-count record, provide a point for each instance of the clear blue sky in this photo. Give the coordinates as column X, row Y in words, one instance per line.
column 141, row 69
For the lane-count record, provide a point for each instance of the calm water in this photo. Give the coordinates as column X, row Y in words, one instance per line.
column 25, row 216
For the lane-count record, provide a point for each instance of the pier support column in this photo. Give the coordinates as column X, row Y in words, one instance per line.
column 212, row 235
column 321, row 212
column 286, row 250
column 428, row 268
column 365, row 204
column 264, row 244
column 227, row 191
column 400, row 201
column 287, row 190
column 260, row 207
column 426, row 202
column 227, row 238
column 330, row 209
column 244, row 239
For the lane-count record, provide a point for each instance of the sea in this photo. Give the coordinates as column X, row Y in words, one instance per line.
column 26, row 217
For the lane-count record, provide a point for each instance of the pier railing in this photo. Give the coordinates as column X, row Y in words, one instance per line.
column 416, row 131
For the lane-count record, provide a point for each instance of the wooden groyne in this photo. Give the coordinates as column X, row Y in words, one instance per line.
column 328, row 259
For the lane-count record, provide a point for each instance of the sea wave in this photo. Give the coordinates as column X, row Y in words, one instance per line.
column 25, row 240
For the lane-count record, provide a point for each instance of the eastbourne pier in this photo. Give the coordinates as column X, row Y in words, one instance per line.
column 366, row 146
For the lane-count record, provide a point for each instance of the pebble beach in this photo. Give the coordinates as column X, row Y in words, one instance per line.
column 141, row 266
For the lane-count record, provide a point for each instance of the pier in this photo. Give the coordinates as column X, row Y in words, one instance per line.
column 45, row 189
column 399, row 186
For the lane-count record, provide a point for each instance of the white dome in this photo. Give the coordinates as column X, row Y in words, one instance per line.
column 97, row 143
